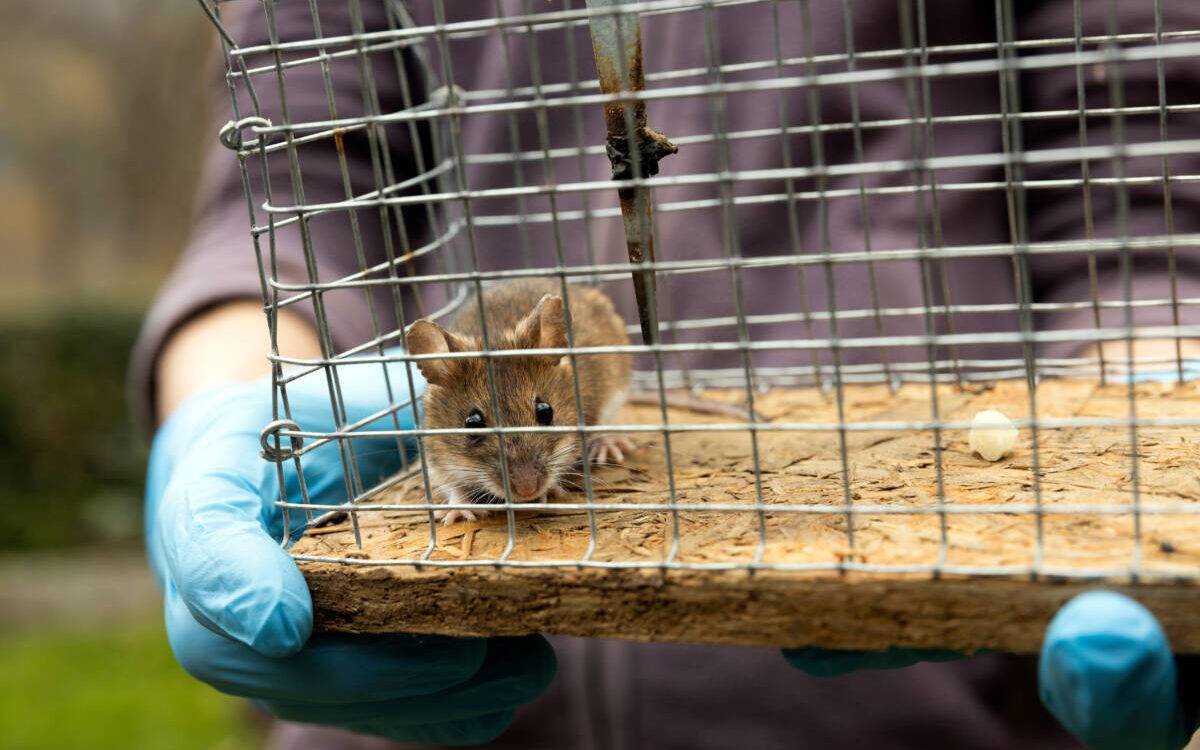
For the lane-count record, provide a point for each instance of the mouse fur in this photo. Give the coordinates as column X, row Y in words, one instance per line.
column 520, row 314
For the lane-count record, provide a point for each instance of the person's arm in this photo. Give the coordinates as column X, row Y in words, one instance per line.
column 226, row 344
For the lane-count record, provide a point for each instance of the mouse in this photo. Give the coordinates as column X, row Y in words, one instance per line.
column 531, row 390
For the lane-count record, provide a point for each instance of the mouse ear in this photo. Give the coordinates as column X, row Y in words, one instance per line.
column 545, row 327
column 427, row 337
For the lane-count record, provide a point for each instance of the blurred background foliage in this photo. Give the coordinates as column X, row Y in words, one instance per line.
column 102, row 124
column 99, row 142
column 71, row 463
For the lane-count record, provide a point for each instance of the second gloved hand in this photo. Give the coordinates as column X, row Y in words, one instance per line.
column 1106, row 670
column 238, row 612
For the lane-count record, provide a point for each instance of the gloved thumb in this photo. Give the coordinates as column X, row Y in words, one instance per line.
column 1108, row 675
column 208, row 500
column 234, row 578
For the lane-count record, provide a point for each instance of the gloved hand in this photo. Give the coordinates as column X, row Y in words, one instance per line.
column 238, row 612
column 1106, row 670
column 1106, row 673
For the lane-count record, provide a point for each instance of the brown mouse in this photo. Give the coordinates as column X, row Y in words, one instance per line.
column 531, row 390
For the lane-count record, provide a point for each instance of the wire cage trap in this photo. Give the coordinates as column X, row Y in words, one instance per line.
column 882, row 218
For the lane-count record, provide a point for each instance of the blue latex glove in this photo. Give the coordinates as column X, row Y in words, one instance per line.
column 238, row 612
column 1108, row 675
column 1106, row 670
column 825, row 662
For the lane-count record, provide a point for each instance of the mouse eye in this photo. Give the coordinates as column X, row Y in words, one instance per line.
column 543, row 411
column 475, row 420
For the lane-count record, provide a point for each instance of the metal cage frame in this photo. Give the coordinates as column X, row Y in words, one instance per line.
column 436, row 107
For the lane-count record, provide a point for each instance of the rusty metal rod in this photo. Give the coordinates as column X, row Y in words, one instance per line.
column 634, row 149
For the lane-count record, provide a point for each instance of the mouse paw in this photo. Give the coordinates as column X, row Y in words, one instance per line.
column 606, row 446
column 448, row 517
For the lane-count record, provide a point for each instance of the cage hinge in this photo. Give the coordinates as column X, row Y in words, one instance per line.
column 232, row 136
column 270, row 439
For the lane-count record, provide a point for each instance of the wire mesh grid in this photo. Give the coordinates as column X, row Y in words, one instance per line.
column 901, row 193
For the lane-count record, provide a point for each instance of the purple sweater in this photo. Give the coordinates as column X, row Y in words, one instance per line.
column 611, row 694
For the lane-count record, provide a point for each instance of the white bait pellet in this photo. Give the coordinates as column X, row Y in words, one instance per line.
column 992, row 435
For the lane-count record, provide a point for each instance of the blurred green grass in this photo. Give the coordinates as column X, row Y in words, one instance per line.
column 116, row 687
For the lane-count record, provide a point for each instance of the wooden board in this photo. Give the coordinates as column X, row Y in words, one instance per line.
column 1083, row 465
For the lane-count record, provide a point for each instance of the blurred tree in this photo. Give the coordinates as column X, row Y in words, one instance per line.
column 101, row 123
column 174, row 93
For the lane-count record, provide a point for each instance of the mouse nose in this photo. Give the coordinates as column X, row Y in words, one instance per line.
column 524, row 480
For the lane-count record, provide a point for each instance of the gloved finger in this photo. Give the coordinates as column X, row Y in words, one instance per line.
column 202, row 435
column 514, row 672
column 232, row 576
column 351, row 393
column 1108, row 675
column 394, row 383
column 362, row 389
column 331, row 670
column 823, row 662
column 475, row 730
column 1167, row 373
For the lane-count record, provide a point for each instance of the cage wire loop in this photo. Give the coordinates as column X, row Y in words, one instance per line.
column 232, row 134
column 866, row 236
column 271, row 440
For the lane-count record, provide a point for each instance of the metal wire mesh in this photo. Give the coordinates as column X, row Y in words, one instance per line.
column 865, row 192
